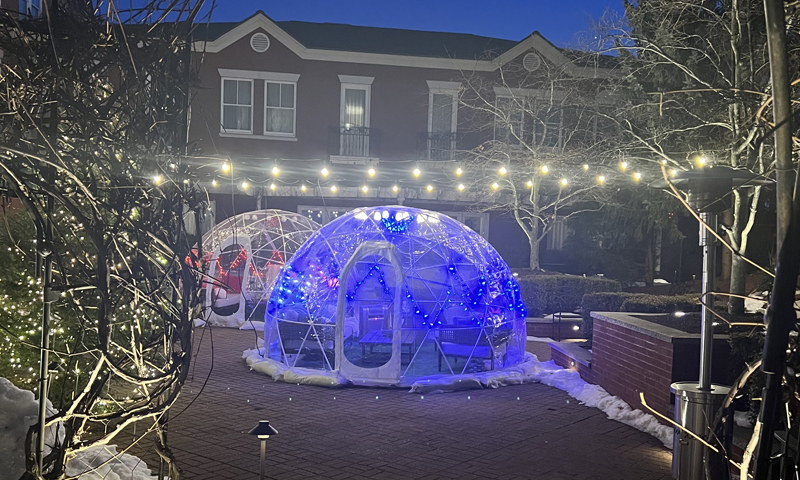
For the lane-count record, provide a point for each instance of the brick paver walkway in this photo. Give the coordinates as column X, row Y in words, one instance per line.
column 519, row 432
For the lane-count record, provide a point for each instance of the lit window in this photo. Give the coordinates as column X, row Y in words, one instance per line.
column 280, row 104
column 237, row 106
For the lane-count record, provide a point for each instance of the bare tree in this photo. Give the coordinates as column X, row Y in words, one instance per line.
column 93, row 117
column 698, row 94
column 548, row 157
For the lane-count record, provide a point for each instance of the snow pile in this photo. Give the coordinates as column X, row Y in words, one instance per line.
column 19, row 410
column 280, row 372
column 529, row 371
column 104, row 463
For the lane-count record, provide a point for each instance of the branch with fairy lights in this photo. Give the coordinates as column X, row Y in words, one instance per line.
column 98, row 291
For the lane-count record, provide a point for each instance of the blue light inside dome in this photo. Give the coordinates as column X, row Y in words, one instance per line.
column 397, row 223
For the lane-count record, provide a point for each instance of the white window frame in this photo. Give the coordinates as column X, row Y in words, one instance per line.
column 293, row 133
column 327, row 215
column 443, row 88
column 27, row 7
column 222, row 104
column 352, row 82
column 461, row 217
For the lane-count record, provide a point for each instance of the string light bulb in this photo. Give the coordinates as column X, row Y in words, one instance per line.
column 303, row 188
column 601, row 179
column 273, row 187
column 226, row 167
column 371, row 172
column 245, row 185
column 495, row 186
column 623, row 165
column 673, row 172
column 333, row 188
column 502, row 171
column 157, row 179
column 395, row 188
column 637, row 176
column 586, row 166
column 459, row 171
column 461, row 187
column 214, row 183
column 324, row 171
column 564, row 182
column 529, row 183
column 429, row 188
column 276, row 171
column 701, row 161
column 417, row 172
column 365, row 189
column 545, row 169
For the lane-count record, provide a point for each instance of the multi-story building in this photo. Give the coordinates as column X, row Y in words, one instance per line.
column 320, row 118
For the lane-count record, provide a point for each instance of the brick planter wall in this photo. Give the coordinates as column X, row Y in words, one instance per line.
column 631, row 355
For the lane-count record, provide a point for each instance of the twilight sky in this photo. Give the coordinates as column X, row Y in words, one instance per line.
column 558, row 20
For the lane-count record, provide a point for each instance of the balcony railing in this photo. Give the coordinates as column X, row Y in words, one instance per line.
column 353, row 141
column 437, row 146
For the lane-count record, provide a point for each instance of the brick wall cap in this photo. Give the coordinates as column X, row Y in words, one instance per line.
column 573, row 351
column 644, row 327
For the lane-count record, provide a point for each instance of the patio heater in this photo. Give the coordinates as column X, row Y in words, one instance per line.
column 696, row 402
column 263, row 430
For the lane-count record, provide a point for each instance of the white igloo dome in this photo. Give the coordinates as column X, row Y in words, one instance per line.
column 244, row 254
column 387, row 294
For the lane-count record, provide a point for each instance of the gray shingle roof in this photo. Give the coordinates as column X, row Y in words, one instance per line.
column 394, row 41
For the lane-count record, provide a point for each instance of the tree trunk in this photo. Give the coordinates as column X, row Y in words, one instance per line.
column 738, row 285
column 649, row 260
column 534, row 241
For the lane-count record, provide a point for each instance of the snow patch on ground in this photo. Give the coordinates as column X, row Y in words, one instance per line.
column 19, row 410
column 530, row 370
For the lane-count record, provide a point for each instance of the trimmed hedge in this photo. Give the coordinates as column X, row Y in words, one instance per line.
column 546, row 294
column 634, row 302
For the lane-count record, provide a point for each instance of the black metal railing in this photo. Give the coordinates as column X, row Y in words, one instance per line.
column 437, row 146
column 353, row 141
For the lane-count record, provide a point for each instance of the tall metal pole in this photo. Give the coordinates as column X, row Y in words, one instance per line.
column 708, row 242
column 45, row 251
column 780, row 316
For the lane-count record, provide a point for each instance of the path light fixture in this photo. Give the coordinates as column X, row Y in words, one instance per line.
column 263, row 430
column 708, row 192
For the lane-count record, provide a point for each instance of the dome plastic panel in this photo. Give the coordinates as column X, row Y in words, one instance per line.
column 459, row 309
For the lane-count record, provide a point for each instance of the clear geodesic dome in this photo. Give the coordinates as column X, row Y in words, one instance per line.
column 386, row 294
column 244, row 256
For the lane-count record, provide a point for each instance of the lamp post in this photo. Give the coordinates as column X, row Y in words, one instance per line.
column 263, row 430
column 696, row 402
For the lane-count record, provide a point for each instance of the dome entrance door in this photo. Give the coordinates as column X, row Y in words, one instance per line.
column 368, row 319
